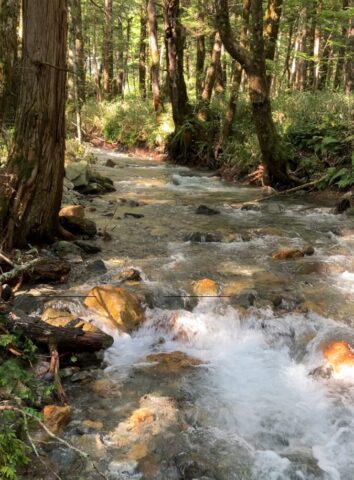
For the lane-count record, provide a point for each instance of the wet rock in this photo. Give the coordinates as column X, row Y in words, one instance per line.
column 290, row 253
column 124, row 470
column 5, row 292
column 93, row 424
column 62, row 247
column 130, row 275
column 239, row 287
column 310, row 306
column 344, row 203
column 110, row 163
column 339, row 355
column 205, row 287
column 105, row 387
column 198, row 237
column 255, row 207
column 172, row 362
column 191, row 466
column 245, row 300
column 79, row 226
column 133, row 215
column 72, row 211
column 55, row 417
column 154, row 415
column 205, row 210
column 117, row 307
column 88, row 247
column 61, row 318
column 97, row 267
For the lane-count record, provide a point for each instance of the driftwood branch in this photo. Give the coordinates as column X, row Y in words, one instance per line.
column 15, row 272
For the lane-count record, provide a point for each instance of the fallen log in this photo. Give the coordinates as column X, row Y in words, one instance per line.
column 65, row 338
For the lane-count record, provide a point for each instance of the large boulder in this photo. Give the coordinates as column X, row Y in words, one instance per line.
column 78, row 173
column 72, row 211
column 79, row 226
column 119, row 307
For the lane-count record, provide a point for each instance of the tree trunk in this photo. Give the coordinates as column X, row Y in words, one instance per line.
column 212, row 70
column 199, row 67
column 74, row 79
column 155, row 55
column 78, row 47
column 174, row 40
column 120, row 59
column 33, row 177
column 253, row 61
column 271, row 31
column 142, row 51
column 338, row 77
column 349, row 67
column 108, row 49
column 9, row 13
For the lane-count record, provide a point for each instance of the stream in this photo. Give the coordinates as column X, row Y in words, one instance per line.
column 249, row 409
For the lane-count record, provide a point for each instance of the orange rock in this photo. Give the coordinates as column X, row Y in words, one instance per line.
column 55, row 417
column 172, row 362
column 141, row 416
column 72, row 211
column 138, row 451
column 339, row 355
column 121, row 308
column 287, row 253
column 205, row 287
column 105, row 387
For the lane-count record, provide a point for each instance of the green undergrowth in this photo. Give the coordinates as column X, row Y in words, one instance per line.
column 20, row 389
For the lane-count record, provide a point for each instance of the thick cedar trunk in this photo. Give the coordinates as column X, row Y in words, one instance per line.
column 155, row 55
column 174, row 40
column 213, row 69
column 142, row 52
column 32, row 180
column 200, row 59
column 78, row 47
column 9, row 12
column 253, row 61
column 108, row 49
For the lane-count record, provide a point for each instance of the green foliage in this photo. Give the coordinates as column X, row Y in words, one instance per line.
column 19, row 388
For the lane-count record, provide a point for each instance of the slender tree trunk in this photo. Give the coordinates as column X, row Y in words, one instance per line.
column 253, row 61
column 338, row 77
column 74, row 78
column 9, row 13
column 142, row 51
column 127, row 53
column 120, row 59
column 78, row 46
column 325, row 60
column 174, row 40
column 271, row 31
column 96, row 69
column 349, row 67
column 35, row 168
column 155, row 55
column 108, row 48
column 200, row 59
column 317, row 47
column 301, row 62
column 212, row 70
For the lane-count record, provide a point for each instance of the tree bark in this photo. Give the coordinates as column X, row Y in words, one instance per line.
column 142, row 51
column 271, row 31
column 253, row 61
column 213, row 69
column 120, row 59
column 200, row 59
column 174, row 40
column 32, row 180
column 349, row 67
column 78, row 46
column 107, row 62
column 9, row 13
column 339, row 75
column 155, row 55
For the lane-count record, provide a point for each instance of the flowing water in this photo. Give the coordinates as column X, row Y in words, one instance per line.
column 250, row 409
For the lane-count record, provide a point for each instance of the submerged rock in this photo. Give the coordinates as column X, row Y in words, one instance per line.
column 199, row 237
column 110, row 163
column 119, row 307
column 97, row 267
column 205, row 210
column 289, row 253
column 79, row 226
column 172, row 362
column 205, row 287
column 55, row 417
column 88, row 247
column 61, row 318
